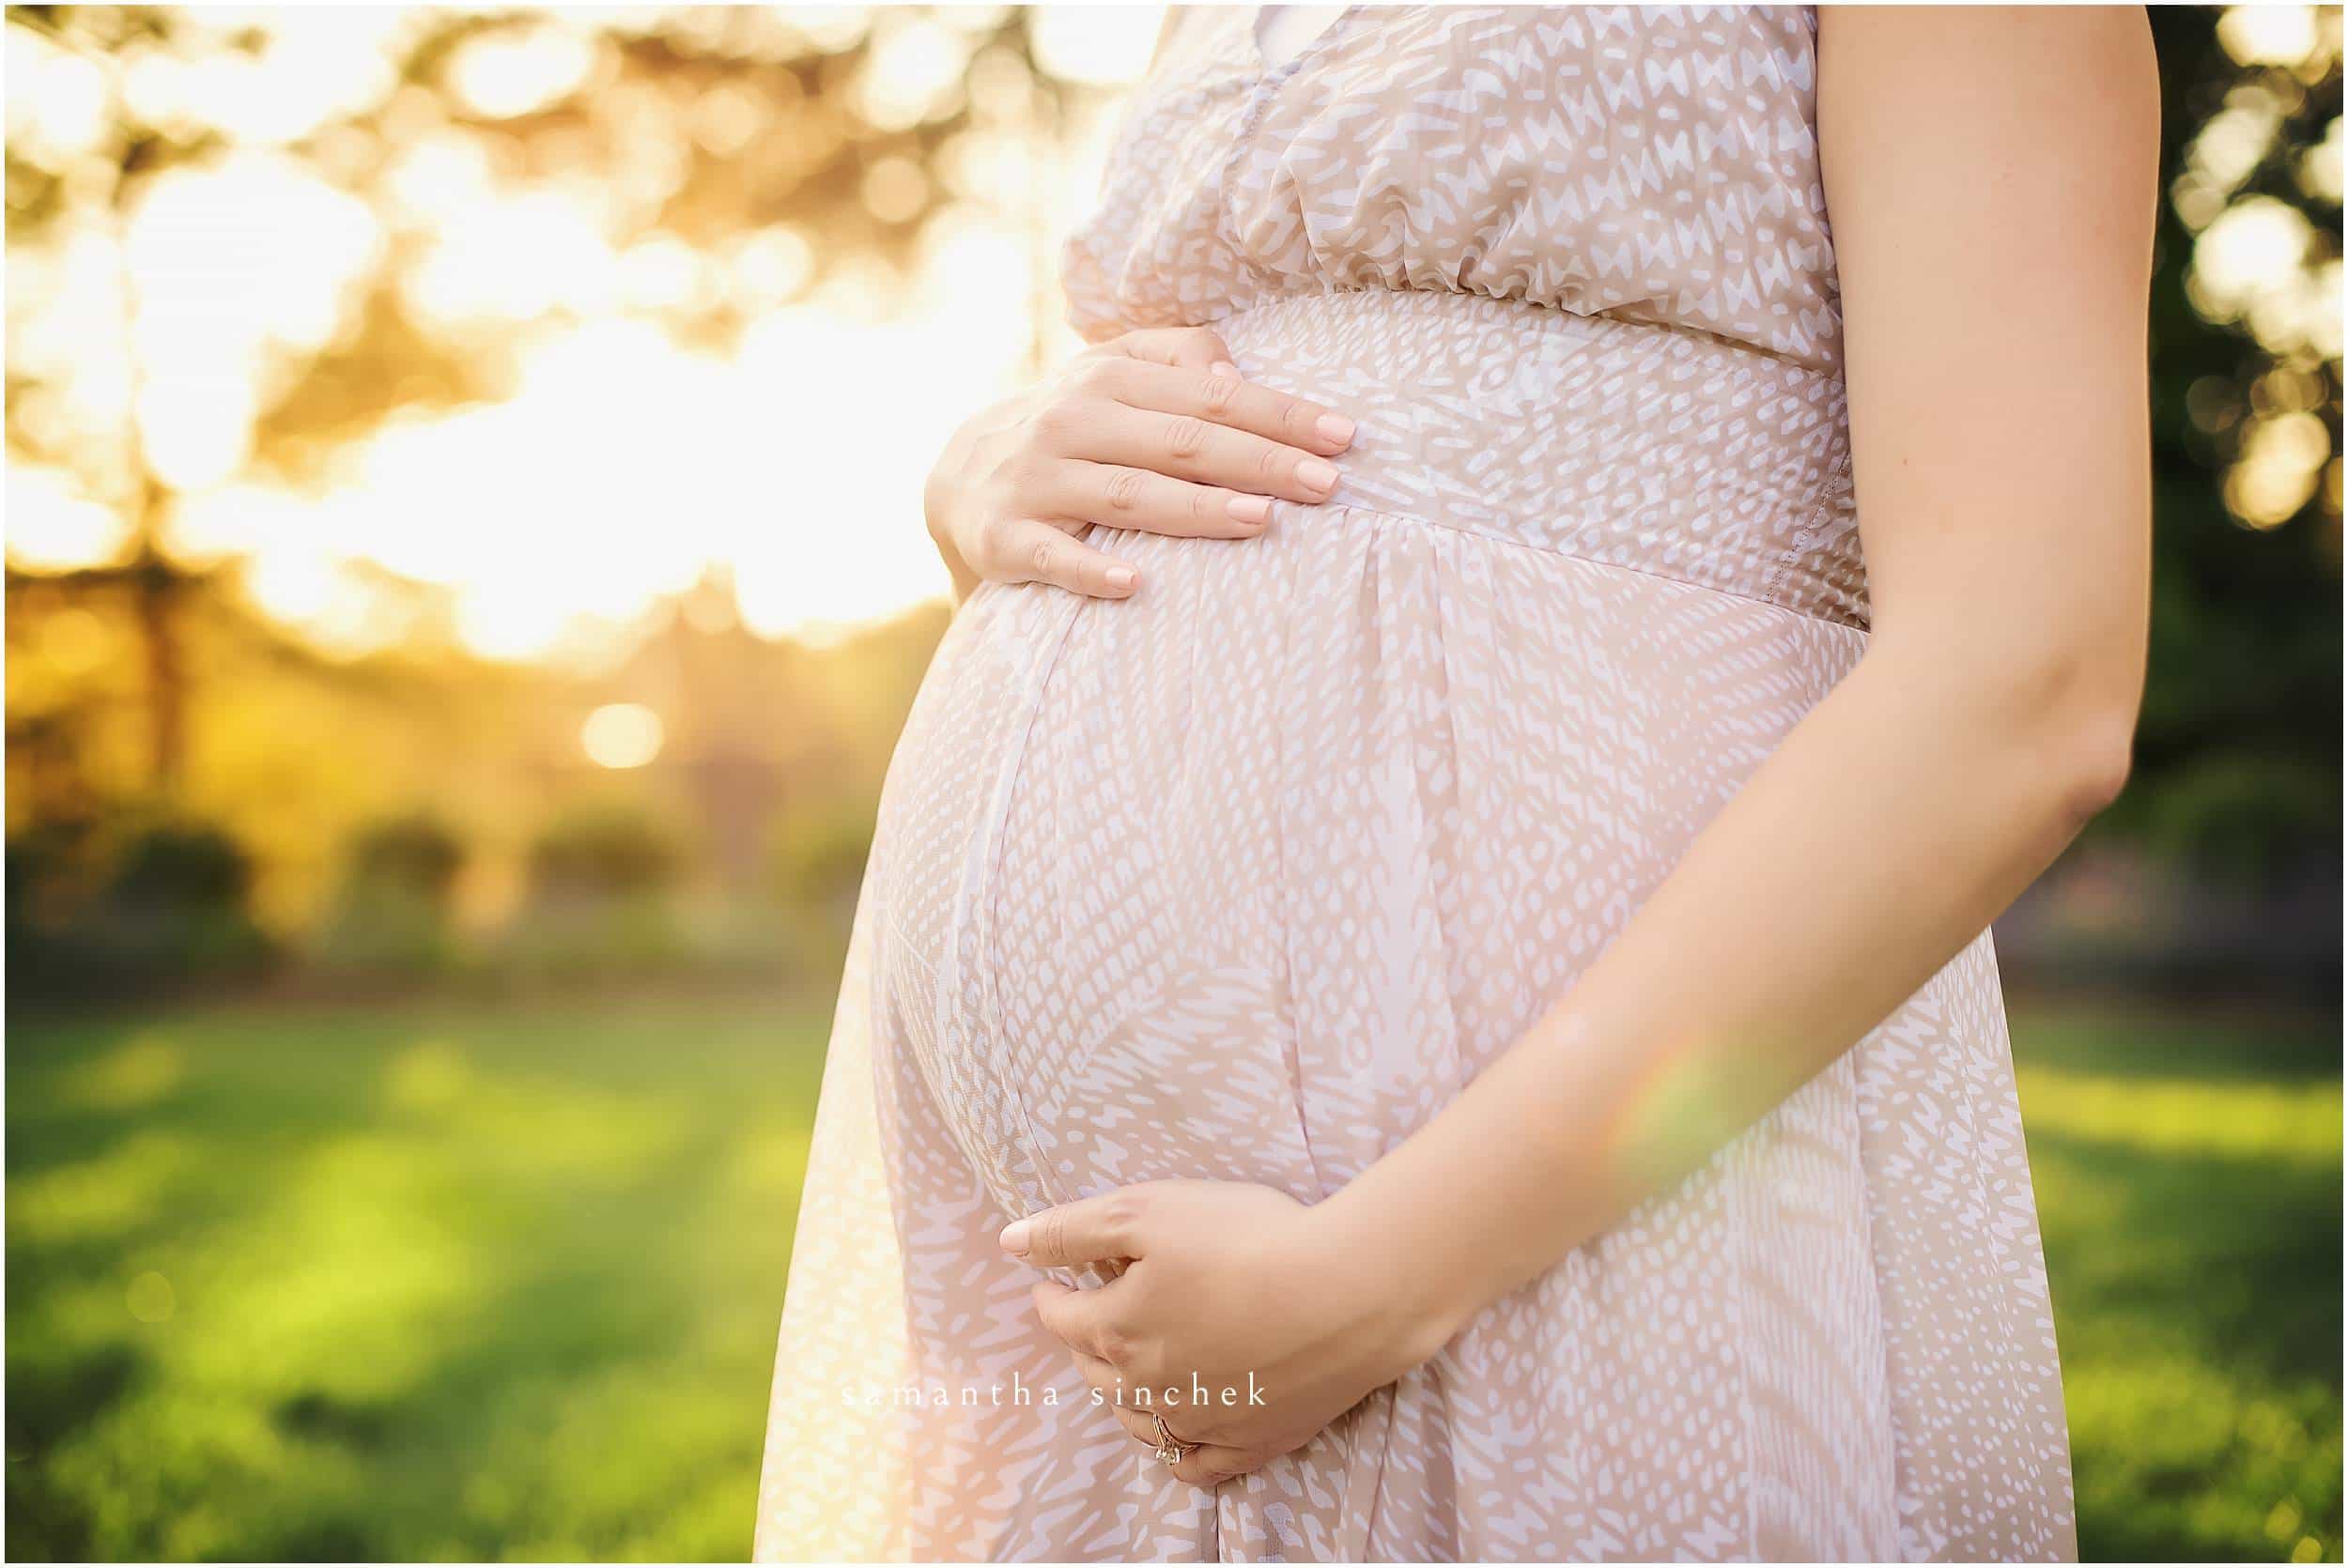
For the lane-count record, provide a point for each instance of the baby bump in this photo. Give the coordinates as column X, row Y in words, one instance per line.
column 1246, row 876
column 1081, row 957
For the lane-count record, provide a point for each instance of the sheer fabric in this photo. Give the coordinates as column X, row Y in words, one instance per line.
column 1246, row 876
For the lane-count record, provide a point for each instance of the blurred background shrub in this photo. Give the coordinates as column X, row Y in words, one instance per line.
column 465, row 575
column 397, row 906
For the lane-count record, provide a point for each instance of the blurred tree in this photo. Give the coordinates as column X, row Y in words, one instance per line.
column 2238, row 755
column 171, row 908
column 736, row 159
column 415, row 856
column 719, row 143
column 397, row 902
column 819, row 855
column 603, row 851
column 177, row 867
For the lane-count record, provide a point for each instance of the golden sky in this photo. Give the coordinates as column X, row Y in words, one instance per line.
column 626, row 463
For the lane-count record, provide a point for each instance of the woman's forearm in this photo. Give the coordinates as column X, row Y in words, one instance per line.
column 2000, row 456
column 1900, row 816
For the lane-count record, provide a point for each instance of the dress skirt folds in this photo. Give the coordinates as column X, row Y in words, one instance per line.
column 1246, row 876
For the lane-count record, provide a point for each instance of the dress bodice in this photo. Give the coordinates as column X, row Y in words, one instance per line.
column 1655, row 164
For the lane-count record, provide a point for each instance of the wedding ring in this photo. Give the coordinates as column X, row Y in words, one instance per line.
column 1172, row 1450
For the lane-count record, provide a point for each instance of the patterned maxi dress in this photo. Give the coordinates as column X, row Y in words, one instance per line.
column 1246, row 876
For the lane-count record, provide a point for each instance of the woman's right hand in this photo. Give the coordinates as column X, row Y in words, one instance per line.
column 1155, row 431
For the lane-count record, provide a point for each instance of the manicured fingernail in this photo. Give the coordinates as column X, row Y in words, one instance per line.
column 1316, row 474
column 1014, row 1238
column 1119, row 577
column 1335, row 427
column 1224, row 367
column 1249, row 509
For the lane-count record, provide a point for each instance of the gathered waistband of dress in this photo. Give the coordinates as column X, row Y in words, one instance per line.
column 1648, row 447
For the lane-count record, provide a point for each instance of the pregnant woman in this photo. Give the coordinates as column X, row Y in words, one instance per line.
column 1423, row 988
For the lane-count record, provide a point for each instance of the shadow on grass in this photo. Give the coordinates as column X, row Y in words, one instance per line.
column 2214, row 1044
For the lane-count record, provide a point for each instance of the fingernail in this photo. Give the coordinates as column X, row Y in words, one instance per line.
column 1014, row 1238
column 1119, row 577
column 1335, row 427
column 1249, row 509
column 1224, row 367
column 1316, row 474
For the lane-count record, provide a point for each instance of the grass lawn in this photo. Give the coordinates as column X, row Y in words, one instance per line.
column 492, row 1282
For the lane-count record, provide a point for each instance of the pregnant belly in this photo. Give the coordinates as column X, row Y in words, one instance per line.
column 1245, row 877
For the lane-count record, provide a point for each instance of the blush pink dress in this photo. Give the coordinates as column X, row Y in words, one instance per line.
column 1246, row 876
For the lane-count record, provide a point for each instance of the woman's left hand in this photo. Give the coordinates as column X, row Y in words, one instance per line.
column 1251, row 1320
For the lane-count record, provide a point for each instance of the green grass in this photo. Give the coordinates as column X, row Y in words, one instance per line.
column 434, row 1284
column 489, row 1283
column 2188, row 1177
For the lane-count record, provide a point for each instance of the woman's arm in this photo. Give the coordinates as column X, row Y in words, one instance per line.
column 1992, row 179
column 1991, row 176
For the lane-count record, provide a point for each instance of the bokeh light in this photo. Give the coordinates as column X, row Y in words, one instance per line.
column 621, row 735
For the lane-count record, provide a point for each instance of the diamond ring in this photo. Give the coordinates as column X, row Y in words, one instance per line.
column 1172, row 1450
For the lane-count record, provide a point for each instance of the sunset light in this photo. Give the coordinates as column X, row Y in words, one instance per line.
column 614, row 461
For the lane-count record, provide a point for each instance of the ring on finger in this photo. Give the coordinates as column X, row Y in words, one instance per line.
column 1172, row 1450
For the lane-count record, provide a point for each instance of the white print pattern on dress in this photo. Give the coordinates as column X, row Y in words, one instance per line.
column 1246, row 876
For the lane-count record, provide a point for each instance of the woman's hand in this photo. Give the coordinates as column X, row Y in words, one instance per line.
column 1250, row 1323
column 1154, row 431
